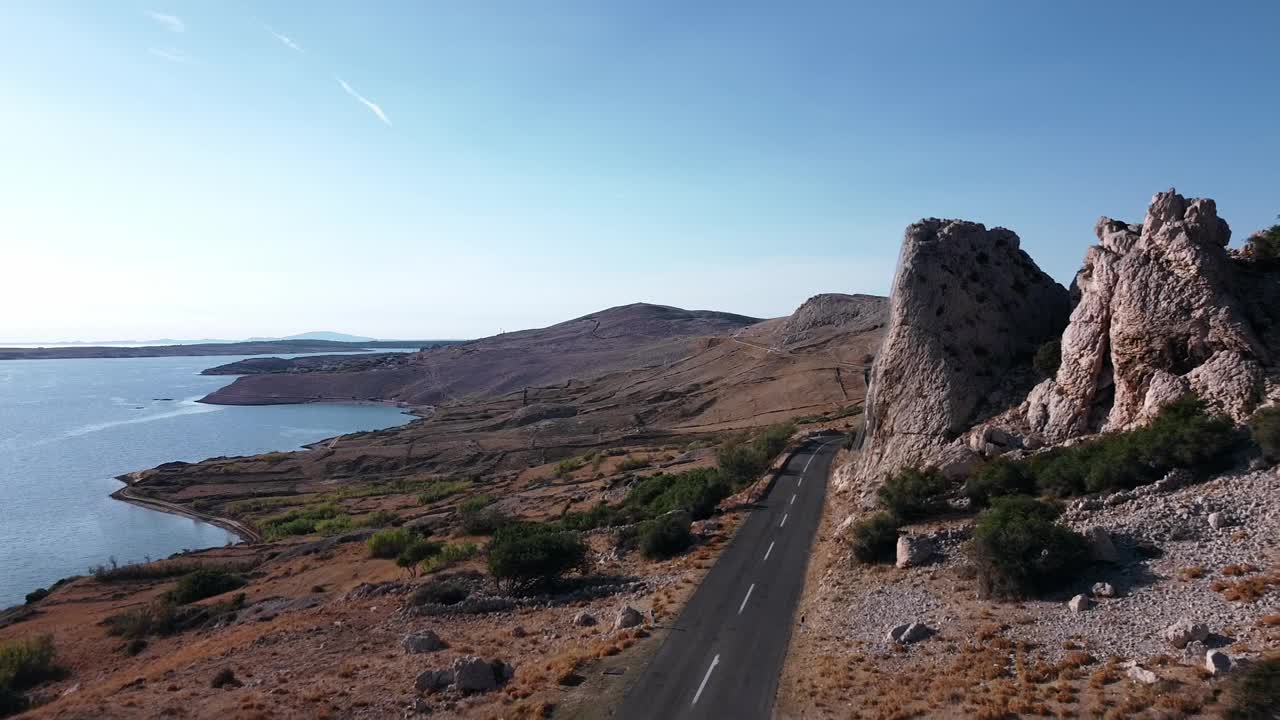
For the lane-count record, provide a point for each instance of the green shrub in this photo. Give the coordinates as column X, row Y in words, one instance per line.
column 525, row 554
column 912, row 493
column 477, row 516
column 629, row 464
column 1264, row 426
column 415, row 552
column 335, row 525
column 449, row 555
column 1265, row 246
column 602, row 515
column 874, row 539
column 1000, row 476
column 1019, row 551
column 1183, row 435
column 441, row 489
column 566, row 467
column 1254, row 694
column 380, row 519
column 36, row 595
column 389, row 543
column 301, row 521
column 204, row 583
column 666, row 536
column 23, row 665
column 157, row 618
column 1047, row 358
column 742, row 462
column 696, row 492
column 443, row 590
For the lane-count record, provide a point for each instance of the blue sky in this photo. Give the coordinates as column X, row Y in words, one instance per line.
column 198, row 169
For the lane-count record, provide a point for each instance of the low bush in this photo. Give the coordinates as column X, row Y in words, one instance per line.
column 1254, row 694
column 1019, row 551
column 204, row 583
column 449, row 555
column 1264, row 427
column 36, row 595
column 335, row 525
column 666, row 536
column 415, row 552
column 1183, row 435
column 742, row 461
column 159, row 569
column 525, row 554
column 157, row 618
column 696, row 492
column 874, row 539
column 1047, row 358
column 302, row 521
column 443, row 590
column 913, row 493
column 23, row 665
column 1264, row 246
column 389, row 543
column 441, row 489
column 380, row 519
column 1000, row 476
column 629, row 464
column 477, row 516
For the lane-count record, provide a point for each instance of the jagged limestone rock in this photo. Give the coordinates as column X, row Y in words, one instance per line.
column 1157, row 317
column 967, row 306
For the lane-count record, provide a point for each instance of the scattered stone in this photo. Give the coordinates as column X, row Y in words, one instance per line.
column 1079, row 603
column 627, row 617
column 433, row 680
column 706, row 528
column 1218, row 520
column 422, row 642
column 909, row 633
column 1142, row 675
column 584, row 619
column 913, row 550
column 1194, row 651
column 518, row 631
column 1184, row 631
column 1103, row 589
column 422, row 706
column 1100, row 545
column 471, row 674
column 1216, row 661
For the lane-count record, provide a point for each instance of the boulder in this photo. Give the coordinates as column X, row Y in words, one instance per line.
column 1157, row 317
column 432, row 680
column 1079, row 603
column 584, row 619
column 913, row 550
column 472, row 674
column 1185, row 631
column 1142, row 675
column 1216, row 661
column 706, row 528
column 1100, row 545
column 627, row 617
column 422, row 642
column 966, row 304
column 518, row 631
column 1218, row 520
column 909, row 633
column 1103, row 589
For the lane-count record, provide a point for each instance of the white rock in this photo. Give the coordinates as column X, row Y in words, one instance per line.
column 1216, row 661
column 913, row 550
column 1142, row 675
column 627, row 617
column 1218, row 520
column 1100, row 545
column 909, row 633
column 1103, row 589
column 584, row 619
column 1184, row 631
column 1079, row 603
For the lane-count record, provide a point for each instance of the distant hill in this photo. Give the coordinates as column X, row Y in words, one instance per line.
column 317, row 335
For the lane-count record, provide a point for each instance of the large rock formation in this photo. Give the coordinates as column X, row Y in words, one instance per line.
column 845, row 313
column 1156, row 318
column 967, row 306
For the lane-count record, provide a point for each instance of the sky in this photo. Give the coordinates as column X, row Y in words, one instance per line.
column 453, row 169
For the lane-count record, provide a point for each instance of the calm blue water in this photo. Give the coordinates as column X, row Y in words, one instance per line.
column 68, row 427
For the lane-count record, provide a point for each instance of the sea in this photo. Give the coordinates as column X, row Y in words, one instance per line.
column 69, row 427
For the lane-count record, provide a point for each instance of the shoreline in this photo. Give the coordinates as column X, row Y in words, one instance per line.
column 246, row 534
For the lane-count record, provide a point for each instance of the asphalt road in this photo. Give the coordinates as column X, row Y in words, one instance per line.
column 723, row 657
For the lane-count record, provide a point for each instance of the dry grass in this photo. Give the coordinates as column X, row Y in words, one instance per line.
column 1234, row 570
column 1194, row 572
column 1271, row 620
column 1247, row 590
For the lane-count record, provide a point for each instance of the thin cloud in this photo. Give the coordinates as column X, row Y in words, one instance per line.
column 170, row 54
column 172, row 23
column 288, row 41
column 363, row 100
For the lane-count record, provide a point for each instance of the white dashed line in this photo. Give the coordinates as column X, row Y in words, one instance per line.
column 714, row 662
column 784, row 520
column 745, row 599
column 793, row 498
column 766, row 552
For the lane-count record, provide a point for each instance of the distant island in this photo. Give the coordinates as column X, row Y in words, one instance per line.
column 256, row 347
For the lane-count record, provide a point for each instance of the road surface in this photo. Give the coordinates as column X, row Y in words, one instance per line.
column 723, row 656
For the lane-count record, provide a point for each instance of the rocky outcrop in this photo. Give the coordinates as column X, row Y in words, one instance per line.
column 847, row 313
column 967, row 306
column 1156, row 317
